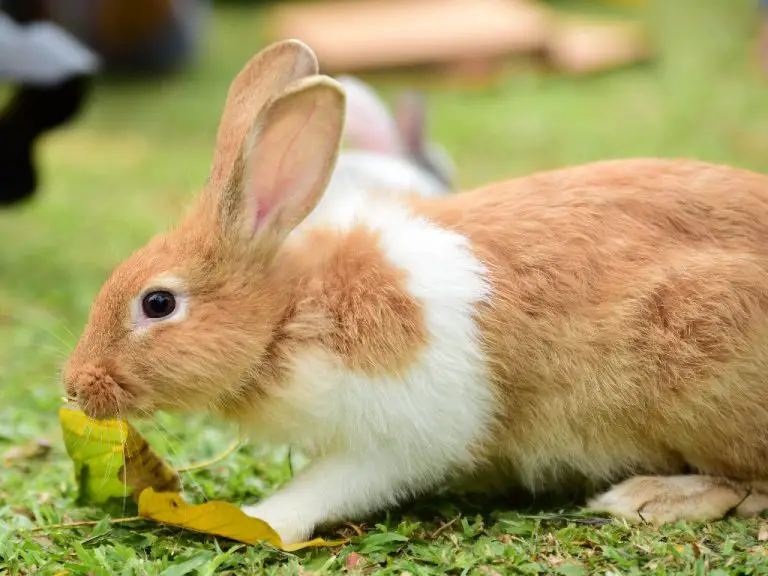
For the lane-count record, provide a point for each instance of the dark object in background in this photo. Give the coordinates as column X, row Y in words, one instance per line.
column 54, row 76
column 137, row 37
column 32, row 111
column 51, row 73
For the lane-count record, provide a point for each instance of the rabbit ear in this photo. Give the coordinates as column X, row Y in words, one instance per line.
column 286, row 163
column 411, row 119
column 369, row 125
column 266, row 74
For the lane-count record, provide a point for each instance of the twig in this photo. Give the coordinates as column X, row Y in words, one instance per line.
column 83, row 523
column 206, row 463
column 442, row 528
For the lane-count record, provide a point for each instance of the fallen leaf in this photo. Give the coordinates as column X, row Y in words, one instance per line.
column 216, row 518
column 35, row 449
column 762, row 533
column 112, row 460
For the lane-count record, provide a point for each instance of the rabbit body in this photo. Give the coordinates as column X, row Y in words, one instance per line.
column 581, row 325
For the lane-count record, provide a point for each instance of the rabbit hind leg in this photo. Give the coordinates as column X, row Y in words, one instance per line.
column 696, row 498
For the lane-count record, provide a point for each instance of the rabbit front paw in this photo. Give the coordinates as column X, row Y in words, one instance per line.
column 284, row 518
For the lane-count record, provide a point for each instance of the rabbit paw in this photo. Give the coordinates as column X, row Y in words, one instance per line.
column 286, row 521
column 662, row 499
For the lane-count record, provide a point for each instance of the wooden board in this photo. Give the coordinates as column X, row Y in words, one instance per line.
column 584, row 47
column 352, row 36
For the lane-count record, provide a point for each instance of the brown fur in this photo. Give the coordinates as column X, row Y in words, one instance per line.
column 226, row 294
column 218, row 280
column 355, row 304
column 628, row 327
column 370, row 320
column 248, row 315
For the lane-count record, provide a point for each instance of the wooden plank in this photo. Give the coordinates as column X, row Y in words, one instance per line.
column 351, row 36
column 583, row 47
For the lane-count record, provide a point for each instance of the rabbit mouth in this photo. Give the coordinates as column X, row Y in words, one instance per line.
column 99, row 394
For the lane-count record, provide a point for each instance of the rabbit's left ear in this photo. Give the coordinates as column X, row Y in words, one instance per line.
column 285, row 164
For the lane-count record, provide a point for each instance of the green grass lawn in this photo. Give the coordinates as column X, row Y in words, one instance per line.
column 127, row 167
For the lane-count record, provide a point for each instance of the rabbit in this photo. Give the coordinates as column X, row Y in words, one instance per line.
column 385, row 154
column 372, row 131
column 604, row 324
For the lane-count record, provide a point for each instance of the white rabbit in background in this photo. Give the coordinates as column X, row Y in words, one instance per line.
column 385, row 153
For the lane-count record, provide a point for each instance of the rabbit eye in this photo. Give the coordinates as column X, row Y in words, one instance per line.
column 158, row 304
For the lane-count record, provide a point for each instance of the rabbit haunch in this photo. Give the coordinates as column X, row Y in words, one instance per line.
column 628, row 327
column 585, row 324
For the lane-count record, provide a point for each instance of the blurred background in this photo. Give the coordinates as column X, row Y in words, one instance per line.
column 511, row 87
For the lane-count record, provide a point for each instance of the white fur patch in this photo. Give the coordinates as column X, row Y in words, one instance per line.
column 358, row 173
column 381, row 438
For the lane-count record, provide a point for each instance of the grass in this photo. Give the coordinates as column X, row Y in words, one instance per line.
column 125, row 169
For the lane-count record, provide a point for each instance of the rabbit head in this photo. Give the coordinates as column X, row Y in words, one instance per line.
column 185, row 320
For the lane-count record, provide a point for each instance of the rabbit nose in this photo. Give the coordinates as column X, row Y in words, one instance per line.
column 96, row 392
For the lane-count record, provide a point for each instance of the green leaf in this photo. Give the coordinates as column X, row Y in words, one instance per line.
column 379, row 542
column 188, row 566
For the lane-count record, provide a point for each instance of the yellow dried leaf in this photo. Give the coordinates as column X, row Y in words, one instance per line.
column 112, row 460
column 216, row 518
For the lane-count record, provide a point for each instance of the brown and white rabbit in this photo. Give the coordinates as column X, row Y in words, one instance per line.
column 588, row 324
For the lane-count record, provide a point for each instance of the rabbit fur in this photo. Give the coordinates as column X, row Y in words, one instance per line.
column 605, row 323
